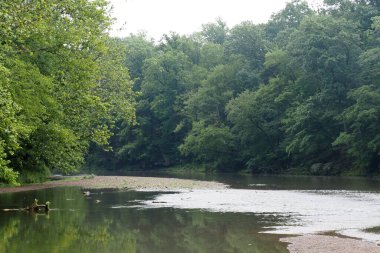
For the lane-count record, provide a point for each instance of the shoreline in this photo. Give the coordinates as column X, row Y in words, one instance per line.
column 315, row 243
column 121, row 182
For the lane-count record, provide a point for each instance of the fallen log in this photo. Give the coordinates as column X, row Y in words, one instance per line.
column 35, row 207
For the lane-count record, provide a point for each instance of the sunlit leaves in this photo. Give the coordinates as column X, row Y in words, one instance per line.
column 63, row 85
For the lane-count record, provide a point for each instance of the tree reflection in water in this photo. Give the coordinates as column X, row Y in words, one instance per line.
column 82, row 224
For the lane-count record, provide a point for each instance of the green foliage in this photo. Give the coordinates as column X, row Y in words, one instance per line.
column 166, row 78
column 247, row 39
column 215, row 32
column 209, row 100
column 362, row 136
column 7, row 175
column 63, row 84
column 211, row 55
column 11, row 130
column 359, row 11
column 209, row 144
column 300, row 91
column 256, row 119
column 114, row 87
column 326, row 48
column 324, row 52
column 290, row 17
column 138, row 49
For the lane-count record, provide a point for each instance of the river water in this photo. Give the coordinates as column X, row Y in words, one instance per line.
column 250, row 216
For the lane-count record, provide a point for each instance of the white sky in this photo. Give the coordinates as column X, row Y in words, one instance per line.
column 157, row 17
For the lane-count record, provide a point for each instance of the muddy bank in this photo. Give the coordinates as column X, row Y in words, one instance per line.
column 122, row 182
column 328, row 244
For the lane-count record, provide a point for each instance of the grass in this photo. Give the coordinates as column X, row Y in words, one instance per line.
column 72, row 178
column 374, row 230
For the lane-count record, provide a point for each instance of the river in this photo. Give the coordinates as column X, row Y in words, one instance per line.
column 250, row 216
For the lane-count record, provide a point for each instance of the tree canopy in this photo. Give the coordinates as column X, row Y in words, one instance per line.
column 63, row 85
column 298, row 93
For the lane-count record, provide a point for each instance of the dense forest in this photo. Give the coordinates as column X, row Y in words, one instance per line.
column 298, row 94
column 63, row 85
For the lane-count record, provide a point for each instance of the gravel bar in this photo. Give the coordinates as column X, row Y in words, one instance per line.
column 328, row 244
column 123, row 182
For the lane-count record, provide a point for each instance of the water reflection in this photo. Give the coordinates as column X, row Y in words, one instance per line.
column 290, row 182
column 80, row 223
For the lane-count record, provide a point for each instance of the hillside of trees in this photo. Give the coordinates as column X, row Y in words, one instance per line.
column 298, row 93
column 301, row 92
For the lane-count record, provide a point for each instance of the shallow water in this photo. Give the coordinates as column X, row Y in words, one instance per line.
column 231, row 220
column 302, row 212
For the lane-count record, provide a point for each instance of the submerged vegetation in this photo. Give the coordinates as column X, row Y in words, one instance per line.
column 300, row 91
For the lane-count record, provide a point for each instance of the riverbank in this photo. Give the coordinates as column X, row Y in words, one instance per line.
column 121, row 182
column 328, row 244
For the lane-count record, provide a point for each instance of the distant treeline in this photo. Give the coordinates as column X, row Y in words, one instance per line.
column 301, row 91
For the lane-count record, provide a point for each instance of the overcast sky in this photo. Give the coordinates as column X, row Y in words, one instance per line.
column 157, row 17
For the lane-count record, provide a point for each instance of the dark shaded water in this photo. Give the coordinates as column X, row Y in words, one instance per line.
column 108, row 221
